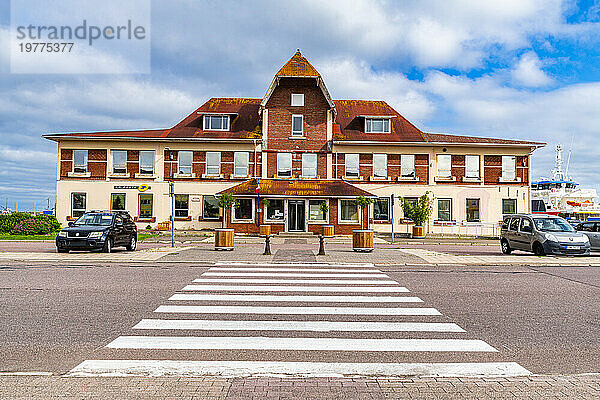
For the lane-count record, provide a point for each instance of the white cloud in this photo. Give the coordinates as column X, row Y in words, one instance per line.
column 528, row 71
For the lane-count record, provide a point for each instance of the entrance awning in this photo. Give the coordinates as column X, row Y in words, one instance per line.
column 297, row 188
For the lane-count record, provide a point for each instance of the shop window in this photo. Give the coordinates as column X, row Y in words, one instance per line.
column 444, row 210
column 275, row 210
column 117, row 201
column 473, row 210
column 314, row 211
column 78, row 204
column 381, row 209
column 348, row 211
column 119, row 161
column 182, row 205
column 243, row 211
column 80, row 161
column 210, row 207
column 145, row 206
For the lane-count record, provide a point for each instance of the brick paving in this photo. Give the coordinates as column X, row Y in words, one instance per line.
column 265, row 388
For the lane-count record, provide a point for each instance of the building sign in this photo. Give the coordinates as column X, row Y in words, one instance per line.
column 141, row 188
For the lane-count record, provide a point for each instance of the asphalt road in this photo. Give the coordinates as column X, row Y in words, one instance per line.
column 545, row 319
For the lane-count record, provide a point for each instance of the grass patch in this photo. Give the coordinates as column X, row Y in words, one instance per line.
column 142, row 236
column 8, row 236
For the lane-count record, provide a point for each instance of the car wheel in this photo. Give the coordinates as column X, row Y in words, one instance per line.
column 505, row 247
column 62, row 250
column 132, row 243
column 538, row 249
column 108, row 245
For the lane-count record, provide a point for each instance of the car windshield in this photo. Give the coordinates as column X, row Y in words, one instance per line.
column 95, row 219
column 553, row 225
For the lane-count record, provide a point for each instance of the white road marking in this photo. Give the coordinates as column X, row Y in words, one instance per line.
column 298, row 281
column 232, row 369
column 297, row 310
column 300, row 344
column 314, row 326
column 358, row 289
column 293, row 269
column 277, row 298
column 243, row 264
column 295, row 275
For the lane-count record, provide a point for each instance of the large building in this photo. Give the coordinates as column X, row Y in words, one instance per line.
column 296, row 147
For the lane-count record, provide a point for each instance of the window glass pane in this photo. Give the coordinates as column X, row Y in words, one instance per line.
column 309, row 165
column 275, row 210
column 509, row 168
column 348, row 211
column 147, row 162
column 284, row 165
column 314, row 210
column 79, row 204
column 472, row 210
column 380, row 166
column 472, row 166
column 509, row 206
column 145, row 209
column 386, row 125
column 240, row 161
column 244, row 209
column 80, row 159
column 381, row 209
column 119, row 159
column 216, row 122
column 444, row 165
column 117, row 201
column 377, row 125
column 210, row 207
column 185, row 162
column 526, row 223
column 369, row 127
column 297, row 99
column 181, row 205
column 352, row 165
column 445, row 210
column 297, row 125
column 407, row 166
column 213, row 163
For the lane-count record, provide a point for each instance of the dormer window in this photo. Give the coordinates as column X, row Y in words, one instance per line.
column 297, row 100
column 377, row 125
column 216, row 122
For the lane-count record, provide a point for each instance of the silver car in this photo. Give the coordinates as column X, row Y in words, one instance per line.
column 592, row 230
column 542, row 234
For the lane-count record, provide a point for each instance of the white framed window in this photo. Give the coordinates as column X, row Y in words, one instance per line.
column 297, row 125
column 184, row 161
column 210, row 207
column 509, row 168
column 78, row 204
column 348, row 211
column 182, row 205
column 407, row 166
column 445, row 210
column 147, row 162
column 380, row 166
column 145, row 206
column 119, row 161
column 284, row 165
column 381, row 209
column 444, row 166
column 297, row 99
column 473, row 214
column 472, row 167
column 80, row 161
column 275, row 210
column 351, row 161
column 241, row 160
column 377, row 125
column 309, row 165
column 117, row 201
column 213, row 163
column 216, row 122
column 314, row 211
column 244, row 210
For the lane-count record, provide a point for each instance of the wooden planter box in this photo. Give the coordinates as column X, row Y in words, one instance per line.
column 328, row 230
column 224, row 239
column 362, row 240
column 418, row 232
column 264, row 230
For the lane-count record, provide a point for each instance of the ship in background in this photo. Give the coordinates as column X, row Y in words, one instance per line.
column 562, row 196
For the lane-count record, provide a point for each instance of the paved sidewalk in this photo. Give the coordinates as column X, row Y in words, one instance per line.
column 265, row 388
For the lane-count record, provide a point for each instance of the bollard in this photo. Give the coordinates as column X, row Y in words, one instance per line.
column 267, row 245
column 321, row 245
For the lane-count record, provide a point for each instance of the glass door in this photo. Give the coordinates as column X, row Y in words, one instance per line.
column 296, row 216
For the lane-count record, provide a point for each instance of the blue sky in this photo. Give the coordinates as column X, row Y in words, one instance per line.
column 518, row 69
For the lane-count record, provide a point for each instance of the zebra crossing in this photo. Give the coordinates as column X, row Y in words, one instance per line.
column 307, row 319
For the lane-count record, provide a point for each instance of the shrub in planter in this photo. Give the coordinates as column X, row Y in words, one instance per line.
column 32, row 226
column 419, row 212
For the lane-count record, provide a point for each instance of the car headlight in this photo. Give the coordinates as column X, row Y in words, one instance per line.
column 584, row 239
column 96, row 234
column 62, row 234
column 550, row 237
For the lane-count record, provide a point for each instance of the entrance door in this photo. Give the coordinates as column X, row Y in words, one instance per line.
column 296, row 216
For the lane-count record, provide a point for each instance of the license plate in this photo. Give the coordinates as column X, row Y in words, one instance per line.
column 573, row 247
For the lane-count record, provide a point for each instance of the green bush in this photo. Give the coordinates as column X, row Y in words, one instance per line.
column 32, row 226
column 9, row 221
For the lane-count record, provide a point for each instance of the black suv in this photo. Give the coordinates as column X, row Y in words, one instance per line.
column 98, row 230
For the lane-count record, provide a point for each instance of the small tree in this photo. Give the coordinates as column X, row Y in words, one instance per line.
column 226, row 201
column 362, row 202
column 324, row 207
column 420, row 211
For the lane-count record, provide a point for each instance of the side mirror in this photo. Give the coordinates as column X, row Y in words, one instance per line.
column 71, row 224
